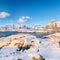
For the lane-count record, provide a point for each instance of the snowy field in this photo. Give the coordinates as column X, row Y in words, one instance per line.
column 26, row 46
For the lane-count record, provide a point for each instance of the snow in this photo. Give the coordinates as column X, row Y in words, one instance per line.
column 10, row 45
column 49, row 49
column 58, row 24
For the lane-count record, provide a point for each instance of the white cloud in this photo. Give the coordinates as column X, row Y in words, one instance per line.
column 24, row 19
column 28, row 17
column 4, row 14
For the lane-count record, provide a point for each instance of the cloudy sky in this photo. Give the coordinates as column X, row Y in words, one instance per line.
column 29, row 11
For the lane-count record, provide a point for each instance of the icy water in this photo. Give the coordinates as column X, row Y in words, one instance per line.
column 5, row 34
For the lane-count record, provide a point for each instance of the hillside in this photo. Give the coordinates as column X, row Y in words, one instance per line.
column 29, row 47
column 53, row 26
column 19, row 46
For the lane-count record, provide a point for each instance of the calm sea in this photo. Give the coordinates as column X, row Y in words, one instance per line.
column 8, row 33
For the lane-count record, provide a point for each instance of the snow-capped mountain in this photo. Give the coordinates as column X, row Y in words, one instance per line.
column 53, row 26
column 18, row 27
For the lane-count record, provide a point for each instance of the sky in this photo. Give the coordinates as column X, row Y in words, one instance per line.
column 29, row 12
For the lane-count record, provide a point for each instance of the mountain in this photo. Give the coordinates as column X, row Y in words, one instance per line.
column 19, row 27
column 53, row 26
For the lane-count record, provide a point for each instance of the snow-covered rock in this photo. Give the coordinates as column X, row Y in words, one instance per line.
column 51, row 47
column 19, row 47
column 18, row 40
column 28, row 47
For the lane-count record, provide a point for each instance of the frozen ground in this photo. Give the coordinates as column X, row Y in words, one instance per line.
column 26, row 46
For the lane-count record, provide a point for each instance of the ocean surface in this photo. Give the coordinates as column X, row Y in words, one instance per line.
column 8, row 33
